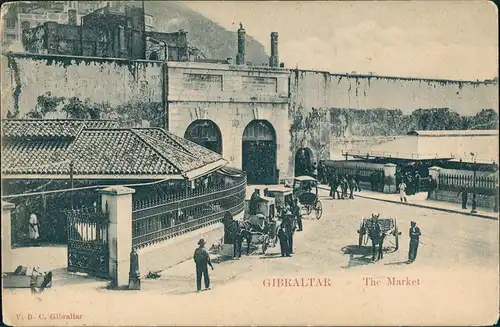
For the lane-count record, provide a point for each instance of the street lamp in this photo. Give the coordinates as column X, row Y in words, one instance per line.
column 474, row 184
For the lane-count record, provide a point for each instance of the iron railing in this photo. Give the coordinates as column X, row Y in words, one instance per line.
column 483, row 185
column 158, row 219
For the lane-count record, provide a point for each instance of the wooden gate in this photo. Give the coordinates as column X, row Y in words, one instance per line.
column 88, row 250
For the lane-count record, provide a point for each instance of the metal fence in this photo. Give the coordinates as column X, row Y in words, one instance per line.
column 159, row 218
column 485, row 185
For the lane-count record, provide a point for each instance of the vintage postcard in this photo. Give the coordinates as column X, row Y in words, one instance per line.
column 249, row 163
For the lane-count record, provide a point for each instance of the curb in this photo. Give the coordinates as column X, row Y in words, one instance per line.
column 422, row 206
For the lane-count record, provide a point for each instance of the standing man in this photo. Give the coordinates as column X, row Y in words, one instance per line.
column 202, row 261
column 283, row 241
column 414, row 240
column 465, row 193
column 33, row 228
column 352, row 184
column 431, row 187
column 373, row 181
column 321, row 172
column 296, row 212
column 254, row 202
column 289, row 229
column 402, row 191
column 343, row 186
column 314, row 171
column 417, row 181
column 357, row 178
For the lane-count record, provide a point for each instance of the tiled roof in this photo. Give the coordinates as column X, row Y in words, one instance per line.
column 117, row 151
column 181, row 143
column 101, row 151
column 35, row 157
column 50, row 128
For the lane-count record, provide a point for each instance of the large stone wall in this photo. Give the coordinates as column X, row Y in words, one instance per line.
column 327, row 113
column 325, row 107
column 130, row 91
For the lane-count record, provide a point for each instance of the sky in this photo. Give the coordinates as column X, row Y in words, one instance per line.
column 433, row 39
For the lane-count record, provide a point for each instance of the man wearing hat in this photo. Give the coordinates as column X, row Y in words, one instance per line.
column 202, row 261
column 414, row 240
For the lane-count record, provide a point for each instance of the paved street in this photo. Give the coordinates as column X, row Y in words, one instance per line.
column 456, row 269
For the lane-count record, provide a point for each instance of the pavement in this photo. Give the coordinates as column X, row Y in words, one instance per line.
column 420, row 200
column 454, row 279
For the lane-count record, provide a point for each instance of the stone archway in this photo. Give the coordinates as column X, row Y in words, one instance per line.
column 303, row 161
column 205, row 133
column 259, row 152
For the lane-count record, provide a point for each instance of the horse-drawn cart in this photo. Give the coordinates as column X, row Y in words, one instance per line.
column 263, row 227
column 305, row 188
column 388, row 227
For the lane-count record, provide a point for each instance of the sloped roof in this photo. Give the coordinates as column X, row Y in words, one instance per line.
column 148, row 153
column 454, row 133
column 50, row 128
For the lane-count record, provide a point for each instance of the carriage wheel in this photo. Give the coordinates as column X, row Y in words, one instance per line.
column 396, row 238
column 265, row 243
column 308, row 209
column 319, row 209
column 361, row 234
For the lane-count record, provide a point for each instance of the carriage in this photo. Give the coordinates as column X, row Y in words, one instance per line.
column 263, row 227
column 305, row 188
column 388, row 227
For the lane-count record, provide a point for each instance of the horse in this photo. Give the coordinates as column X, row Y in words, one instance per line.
column 376, row 235
column 236, row 232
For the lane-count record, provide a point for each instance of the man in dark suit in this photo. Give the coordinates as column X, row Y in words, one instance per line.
column 202, row 261
column 414, row 240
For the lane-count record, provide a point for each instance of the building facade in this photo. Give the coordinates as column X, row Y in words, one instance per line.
column 240, row 112
column 21, row 16
column 106, row 32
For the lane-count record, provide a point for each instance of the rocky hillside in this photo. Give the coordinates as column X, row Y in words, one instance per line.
column 212, row 39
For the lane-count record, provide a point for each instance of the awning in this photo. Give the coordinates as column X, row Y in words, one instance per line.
column 205, row 170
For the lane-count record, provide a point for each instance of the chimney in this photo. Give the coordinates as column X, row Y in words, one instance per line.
column 72, row 17
column 240, row 56
column 274, row 59
column 229, row 61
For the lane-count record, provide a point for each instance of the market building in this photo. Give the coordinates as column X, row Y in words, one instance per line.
column 164, row 169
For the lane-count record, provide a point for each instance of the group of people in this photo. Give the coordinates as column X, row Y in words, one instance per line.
column 346, row 182
column 410, row 179
column 377, row 235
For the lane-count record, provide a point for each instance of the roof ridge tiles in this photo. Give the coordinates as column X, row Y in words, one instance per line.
column 144, row 139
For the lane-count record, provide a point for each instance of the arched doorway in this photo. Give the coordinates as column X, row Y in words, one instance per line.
column 259, row 152
column 303, row 161
column 205, row 133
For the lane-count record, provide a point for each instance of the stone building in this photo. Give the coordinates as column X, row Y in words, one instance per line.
column 24, row 15
column 106, row 32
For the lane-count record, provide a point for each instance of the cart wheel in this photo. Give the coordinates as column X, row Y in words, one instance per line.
column 396, row 238
column 308, row 210
column 361, row 234
column 265, row 243
column 319, row 209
